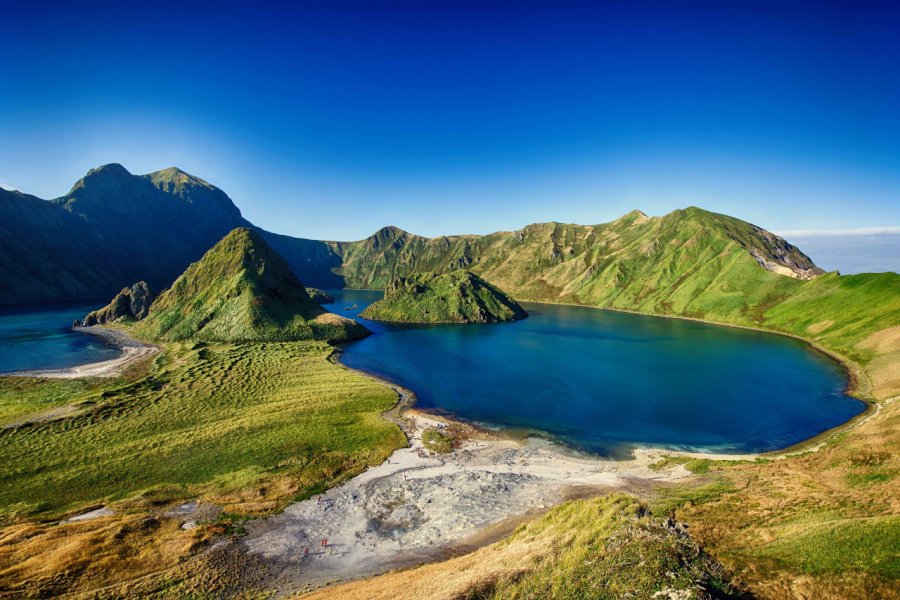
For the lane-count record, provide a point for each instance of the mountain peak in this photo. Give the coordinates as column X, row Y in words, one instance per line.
column 111, row 172
column 109, row 169
column 239, row 291
column 385, row 236
column 173, row 177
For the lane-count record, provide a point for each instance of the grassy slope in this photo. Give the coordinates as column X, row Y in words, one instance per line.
column 210, row 420
column 241, row 290
column 455, row 297
column 600, row 548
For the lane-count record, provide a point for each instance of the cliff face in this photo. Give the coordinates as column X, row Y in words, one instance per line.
column 456, row 297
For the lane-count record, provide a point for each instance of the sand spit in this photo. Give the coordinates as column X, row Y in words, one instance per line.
column 419, row 506
column 133, row 351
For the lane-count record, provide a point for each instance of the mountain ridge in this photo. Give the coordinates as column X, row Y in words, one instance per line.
column 687, row 263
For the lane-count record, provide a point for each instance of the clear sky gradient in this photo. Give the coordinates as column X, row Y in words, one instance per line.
column 330, row 121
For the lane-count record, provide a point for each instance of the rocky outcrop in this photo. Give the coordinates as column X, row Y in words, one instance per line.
column 319, row 296
column 132, row 303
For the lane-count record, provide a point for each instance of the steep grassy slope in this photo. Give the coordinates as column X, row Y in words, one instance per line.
column 38, row 242
column 857, row 316
column 824, row 524
column 455, row 297
column 241, row 291
column 603, row 548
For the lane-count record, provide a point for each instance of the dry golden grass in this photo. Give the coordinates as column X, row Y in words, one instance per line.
column 37, row 561
column 884, row 368
column 453, row 578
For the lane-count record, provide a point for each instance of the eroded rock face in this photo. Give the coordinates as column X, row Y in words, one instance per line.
column 131, row 303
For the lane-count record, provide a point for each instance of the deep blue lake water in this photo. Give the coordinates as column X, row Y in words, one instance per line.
column 597, row 380
column 39, row 337
column 602, row 381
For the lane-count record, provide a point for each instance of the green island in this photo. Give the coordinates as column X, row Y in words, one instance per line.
column 456, row 297
column 244, row 408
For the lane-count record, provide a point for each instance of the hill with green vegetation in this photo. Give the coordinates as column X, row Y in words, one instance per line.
column 248, row 427
column 242, row 291
column 455, row 297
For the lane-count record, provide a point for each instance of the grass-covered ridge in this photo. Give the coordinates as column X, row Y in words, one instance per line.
column 456, row 297
column 240, row 291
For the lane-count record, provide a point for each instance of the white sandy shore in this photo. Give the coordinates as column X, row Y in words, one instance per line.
column 132, row 351
column 420, row 506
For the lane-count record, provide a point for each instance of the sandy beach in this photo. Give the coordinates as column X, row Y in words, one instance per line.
column 421, row 506
column 133, row 351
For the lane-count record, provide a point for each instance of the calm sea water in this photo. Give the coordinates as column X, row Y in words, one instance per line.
column 39, row 337
column 602, row 381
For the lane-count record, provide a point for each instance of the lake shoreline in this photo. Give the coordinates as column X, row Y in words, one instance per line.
column 132, row 352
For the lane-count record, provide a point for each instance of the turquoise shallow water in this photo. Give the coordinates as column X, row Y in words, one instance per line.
column 39, row 337
column 603, row 381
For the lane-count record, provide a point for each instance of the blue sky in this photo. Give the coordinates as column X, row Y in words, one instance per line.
column 331, row 121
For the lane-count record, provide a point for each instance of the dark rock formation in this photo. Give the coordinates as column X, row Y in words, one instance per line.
column 131, row 303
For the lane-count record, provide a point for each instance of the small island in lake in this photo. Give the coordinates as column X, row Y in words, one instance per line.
column 456, row 297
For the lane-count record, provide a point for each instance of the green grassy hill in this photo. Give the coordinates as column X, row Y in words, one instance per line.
column 242, row 291
column 455, row 297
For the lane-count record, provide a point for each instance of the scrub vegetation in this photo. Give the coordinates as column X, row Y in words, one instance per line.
column 821, row 525
column 436, row 441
